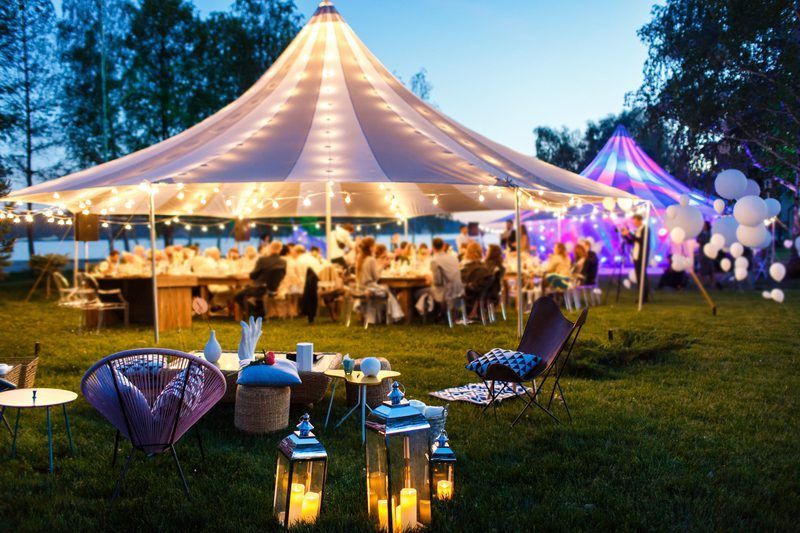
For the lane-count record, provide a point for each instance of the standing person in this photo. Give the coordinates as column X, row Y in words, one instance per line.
column 508, row 239
column 707, row 264
column 640, row 251
column 342, row 244
column 590, row 264
column 462, row 240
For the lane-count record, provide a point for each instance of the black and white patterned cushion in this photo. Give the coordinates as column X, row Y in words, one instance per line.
column 521, row 363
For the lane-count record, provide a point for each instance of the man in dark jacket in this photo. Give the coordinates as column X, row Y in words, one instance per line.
column 267, row 275
column 590, row 264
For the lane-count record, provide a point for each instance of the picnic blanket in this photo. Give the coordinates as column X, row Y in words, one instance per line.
column 477, row 393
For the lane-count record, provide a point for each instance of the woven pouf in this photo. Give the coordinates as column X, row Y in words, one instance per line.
column 375, row 393
column 261, row 409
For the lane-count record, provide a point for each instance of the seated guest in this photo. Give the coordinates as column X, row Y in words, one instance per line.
column 445, row 275
column 475, row 276
column 423, row 259
column 233, row 254
column 578, row 260
column 248, row 261
column 316, row 253
column 590, row 264
column 110, row 265
column 266, row 276
column 494, row 258
column 557, row 267
column 368, row 273
column 403, row 253
column 382, row 256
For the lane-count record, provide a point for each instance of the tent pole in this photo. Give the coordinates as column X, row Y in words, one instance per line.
column 153, row 263
column 75, row 259
column 645, row 255
column 86, row 256
column 328, row 229
column 518, row 232
column 405, row 229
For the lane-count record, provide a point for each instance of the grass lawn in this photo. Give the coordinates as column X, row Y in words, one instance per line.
column 684, row 421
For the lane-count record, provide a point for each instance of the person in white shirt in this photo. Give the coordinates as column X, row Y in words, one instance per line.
column 462, row 240
column 342, row 244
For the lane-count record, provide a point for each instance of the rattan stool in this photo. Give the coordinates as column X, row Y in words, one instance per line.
column 261, row 409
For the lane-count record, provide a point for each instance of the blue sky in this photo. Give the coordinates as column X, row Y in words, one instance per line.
column 502, row 67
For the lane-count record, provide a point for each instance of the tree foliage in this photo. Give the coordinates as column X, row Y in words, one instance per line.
column 725, row 74
column 91, row 37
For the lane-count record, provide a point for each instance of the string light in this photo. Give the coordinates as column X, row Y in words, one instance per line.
column 347, row 199
column 436, row 200
column 306, row 201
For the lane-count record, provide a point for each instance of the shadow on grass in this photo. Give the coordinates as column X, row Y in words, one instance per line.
column 595, row 359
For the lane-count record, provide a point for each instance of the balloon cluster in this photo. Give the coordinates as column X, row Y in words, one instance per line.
column 683, row 221
column 746, row 227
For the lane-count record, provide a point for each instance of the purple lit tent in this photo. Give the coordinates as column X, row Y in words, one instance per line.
column 623, row 165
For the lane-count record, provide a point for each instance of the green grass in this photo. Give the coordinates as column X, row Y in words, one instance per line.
column 684, row 421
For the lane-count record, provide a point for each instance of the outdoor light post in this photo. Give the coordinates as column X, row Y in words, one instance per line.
column 398, row 486
column 300, row 476
column 442, row 467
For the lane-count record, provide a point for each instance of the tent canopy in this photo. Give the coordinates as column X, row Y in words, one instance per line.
column 624, row 165
column 326, row 119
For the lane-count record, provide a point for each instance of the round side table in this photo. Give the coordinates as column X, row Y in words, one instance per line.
column 36, row 398
column 359, row 379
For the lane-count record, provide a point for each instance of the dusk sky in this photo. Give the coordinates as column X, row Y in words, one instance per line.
column 502, row 67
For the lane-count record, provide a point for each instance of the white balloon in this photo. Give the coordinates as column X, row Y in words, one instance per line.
column 737, row 249
column 773, row 207
column 740, row 274
column 766, row 242
column 752, row 189
column 687, row 217
column 741, row 262
column 625, row 203
column 626, row 283
column 684, row 200
column 787, row 243
column 730, row 184
column 766, row 295
column 777, row 271
column 710, row 251
column 609, row 203
column 678, row 263
column 777, row 295
column 677, row 235
column 752, row 236
column 750, row 210
column 671, row 212
column 718, row 240
column 719, row 206
column 797, row 243
column 725, row 226
column 725, row 264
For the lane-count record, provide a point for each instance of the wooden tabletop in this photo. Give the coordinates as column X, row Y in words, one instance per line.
column 224, row 280
column 23, row 398
column 358, row 377
column 229, row 361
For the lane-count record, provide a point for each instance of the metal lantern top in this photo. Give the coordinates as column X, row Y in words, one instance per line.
column 441, row 451
column 302, row 445
column 396, row 415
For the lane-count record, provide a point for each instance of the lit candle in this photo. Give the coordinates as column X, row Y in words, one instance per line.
column 296, row 502
column 444, row 489
column 383, row 514
column 408, row 508
column 425, row 511
column 310, row 507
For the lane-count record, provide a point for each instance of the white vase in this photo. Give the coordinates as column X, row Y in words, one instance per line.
column 212, row 351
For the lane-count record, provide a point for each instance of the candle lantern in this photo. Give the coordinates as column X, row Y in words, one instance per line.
column 398, row 488
column 442, row 464
column 300, row 477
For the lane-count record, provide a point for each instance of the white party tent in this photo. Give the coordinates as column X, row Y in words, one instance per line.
column 326, row 131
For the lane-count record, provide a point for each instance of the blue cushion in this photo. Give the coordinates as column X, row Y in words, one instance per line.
column 521, row 363
column 281, row 374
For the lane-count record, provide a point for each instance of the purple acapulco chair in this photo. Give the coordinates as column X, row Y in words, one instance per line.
column 152, row 396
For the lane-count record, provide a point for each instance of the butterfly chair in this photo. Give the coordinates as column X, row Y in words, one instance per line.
column 550, row 336
column 152, row 396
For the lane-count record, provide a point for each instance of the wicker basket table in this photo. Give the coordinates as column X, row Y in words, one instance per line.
column 261, row 409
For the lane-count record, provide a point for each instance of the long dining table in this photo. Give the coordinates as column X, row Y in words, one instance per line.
column 404, row 287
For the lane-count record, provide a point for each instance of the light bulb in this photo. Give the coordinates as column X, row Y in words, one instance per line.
column 128, row 226
column 481, row 198
column 347, row 199
column 275, row 204
column 306, row 201
column 435, row 200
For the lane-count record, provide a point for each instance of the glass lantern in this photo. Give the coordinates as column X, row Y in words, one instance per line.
column 300, row 477
column 442, row 463
column 398, row 488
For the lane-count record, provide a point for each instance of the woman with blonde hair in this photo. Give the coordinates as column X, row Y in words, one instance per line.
column 558, row 267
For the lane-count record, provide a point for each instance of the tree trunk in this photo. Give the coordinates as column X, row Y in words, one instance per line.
column 28, row 121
